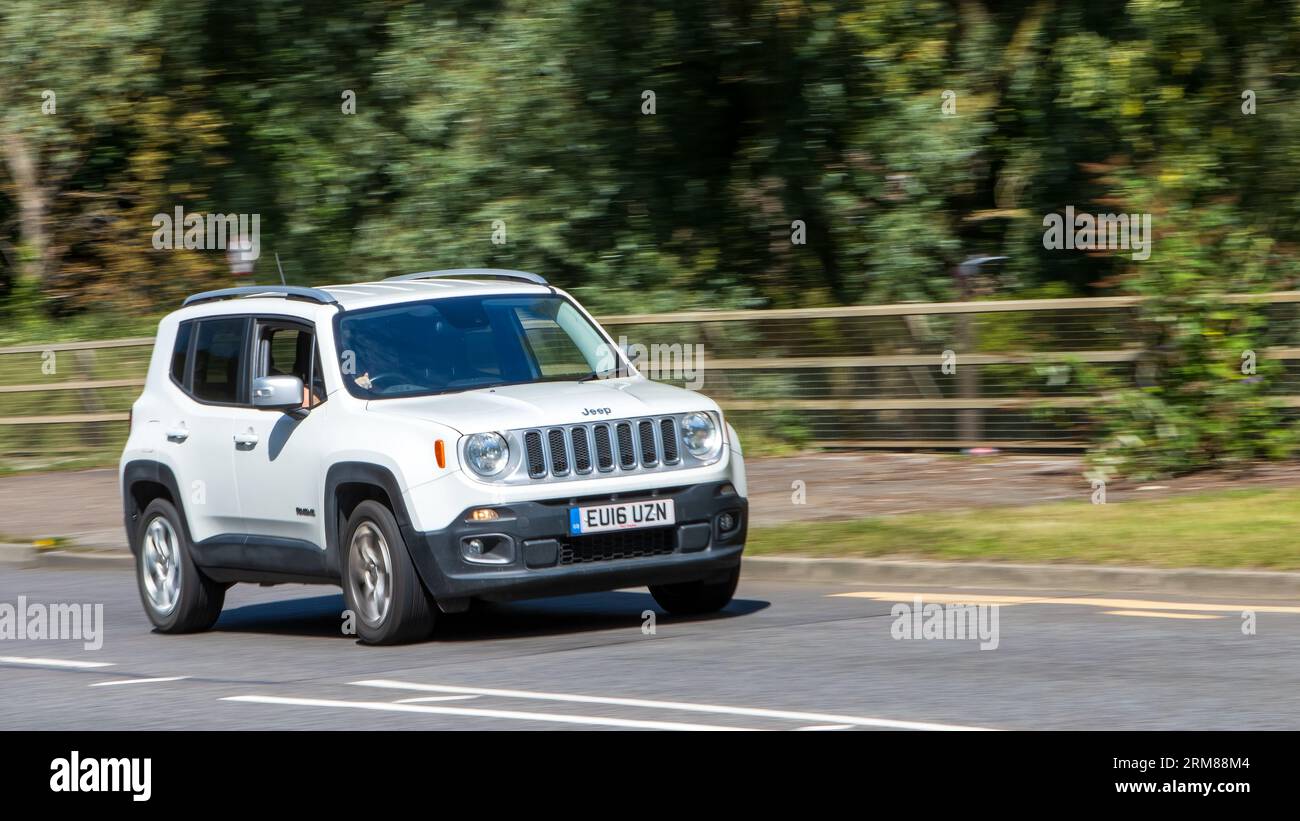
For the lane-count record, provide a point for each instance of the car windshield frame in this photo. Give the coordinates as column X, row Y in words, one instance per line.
column 620, row 364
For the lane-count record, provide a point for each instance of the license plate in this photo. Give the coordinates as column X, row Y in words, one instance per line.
column 621, row 516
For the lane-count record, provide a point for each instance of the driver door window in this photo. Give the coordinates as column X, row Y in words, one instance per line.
column 290, row 350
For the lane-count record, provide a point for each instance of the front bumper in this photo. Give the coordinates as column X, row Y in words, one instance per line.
column 531, row 554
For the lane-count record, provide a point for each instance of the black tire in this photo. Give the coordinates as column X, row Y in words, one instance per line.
column 410, row 612
column 695, row 598
column 197, row 604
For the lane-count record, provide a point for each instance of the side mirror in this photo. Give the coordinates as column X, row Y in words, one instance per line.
column 277, row 393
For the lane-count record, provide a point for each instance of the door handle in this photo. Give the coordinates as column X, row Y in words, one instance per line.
column 178, row 434
column 246, row 438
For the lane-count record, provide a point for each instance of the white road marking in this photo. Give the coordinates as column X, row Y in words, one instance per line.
column 474, row 712
column 1113, row 604
column 828, row 727
column 433, row 698
column 752, row 712
column 117, row 681
column 76, row 665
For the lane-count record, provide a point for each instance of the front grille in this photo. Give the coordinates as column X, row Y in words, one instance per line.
column 626, row 544
column 626, row 454
column 604, row 448
column 646, row 430
column 559, row 457
column 536, row 458
column 668, row 435
column 581, row 451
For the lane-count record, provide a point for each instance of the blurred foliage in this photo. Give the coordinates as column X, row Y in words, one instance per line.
column 904, row 135
column 531, row 112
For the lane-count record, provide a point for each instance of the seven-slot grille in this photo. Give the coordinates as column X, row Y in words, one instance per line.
column 601, row 446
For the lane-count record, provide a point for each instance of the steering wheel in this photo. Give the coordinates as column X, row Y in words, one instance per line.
column 392, row 388
column 379, row 376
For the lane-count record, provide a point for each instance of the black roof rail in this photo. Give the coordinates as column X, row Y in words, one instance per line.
column 464, row 273
column 286, row 291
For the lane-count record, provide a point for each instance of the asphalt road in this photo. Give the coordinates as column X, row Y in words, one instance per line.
column 782, row 656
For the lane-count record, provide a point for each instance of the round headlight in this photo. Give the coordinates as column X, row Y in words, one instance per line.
column 700, row 435
column 487, row 453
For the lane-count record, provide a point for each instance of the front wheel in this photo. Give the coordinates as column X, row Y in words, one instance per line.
column 380, row 584
column 695, row 598
column 177, row 597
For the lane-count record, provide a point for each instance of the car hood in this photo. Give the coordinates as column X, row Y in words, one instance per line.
column 538, row 404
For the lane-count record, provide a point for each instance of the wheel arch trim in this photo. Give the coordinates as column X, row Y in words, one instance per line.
column 363, row 473
column 154, row 472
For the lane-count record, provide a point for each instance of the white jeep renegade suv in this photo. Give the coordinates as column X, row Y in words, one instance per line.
column 422, row 442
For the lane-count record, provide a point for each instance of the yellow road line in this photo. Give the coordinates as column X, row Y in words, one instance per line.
column 944, row 598
column 1113, row 604
column 1155, row 615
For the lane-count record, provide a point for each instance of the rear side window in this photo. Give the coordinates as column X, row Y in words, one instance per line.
column 219, row 360
column 181, row 352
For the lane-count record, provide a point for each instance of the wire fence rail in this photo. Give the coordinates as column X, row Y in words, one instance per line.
column 911, row 375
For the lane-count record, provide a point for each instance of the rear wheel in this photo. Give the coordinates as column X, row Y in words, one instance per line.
column 694, row 598
column 380, row 583
column 177, row 597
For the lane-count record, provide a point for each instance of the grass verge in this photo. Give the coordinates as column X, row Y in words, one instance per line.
column 1257, row 529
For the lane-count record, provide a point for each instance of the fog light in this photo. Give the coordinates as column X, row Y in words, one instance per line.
column 488, row 548
column 726, row 522
column 483, row 514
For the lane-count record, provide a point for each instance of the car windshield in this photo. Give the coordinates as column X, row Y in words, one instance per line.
column 463, row 343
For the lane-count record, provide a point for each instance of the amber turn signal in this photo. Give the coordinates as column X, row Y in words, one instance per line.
column 440, row 453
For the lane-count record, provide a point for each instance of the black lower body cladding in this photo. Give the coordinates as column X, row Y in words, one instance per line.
column 528, row 552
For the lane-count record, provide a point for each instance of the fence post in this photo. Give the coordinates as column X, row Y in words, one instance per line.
column 969, row 421
column 84, row 360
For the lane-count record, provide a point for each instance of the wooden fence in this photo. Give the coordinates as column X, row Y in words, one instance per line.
column 912, row 375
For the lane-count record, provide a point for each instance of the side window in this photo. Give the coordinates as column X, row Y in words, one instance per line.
column 219, row 360
column 290, row 350
column 181, row 352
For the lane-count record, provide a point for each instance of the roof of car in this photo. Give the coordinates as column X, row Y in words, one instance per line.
column 367, row 294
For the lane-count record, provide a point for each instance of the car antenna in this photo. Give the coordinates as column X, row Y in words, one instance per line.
column 277, row 265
